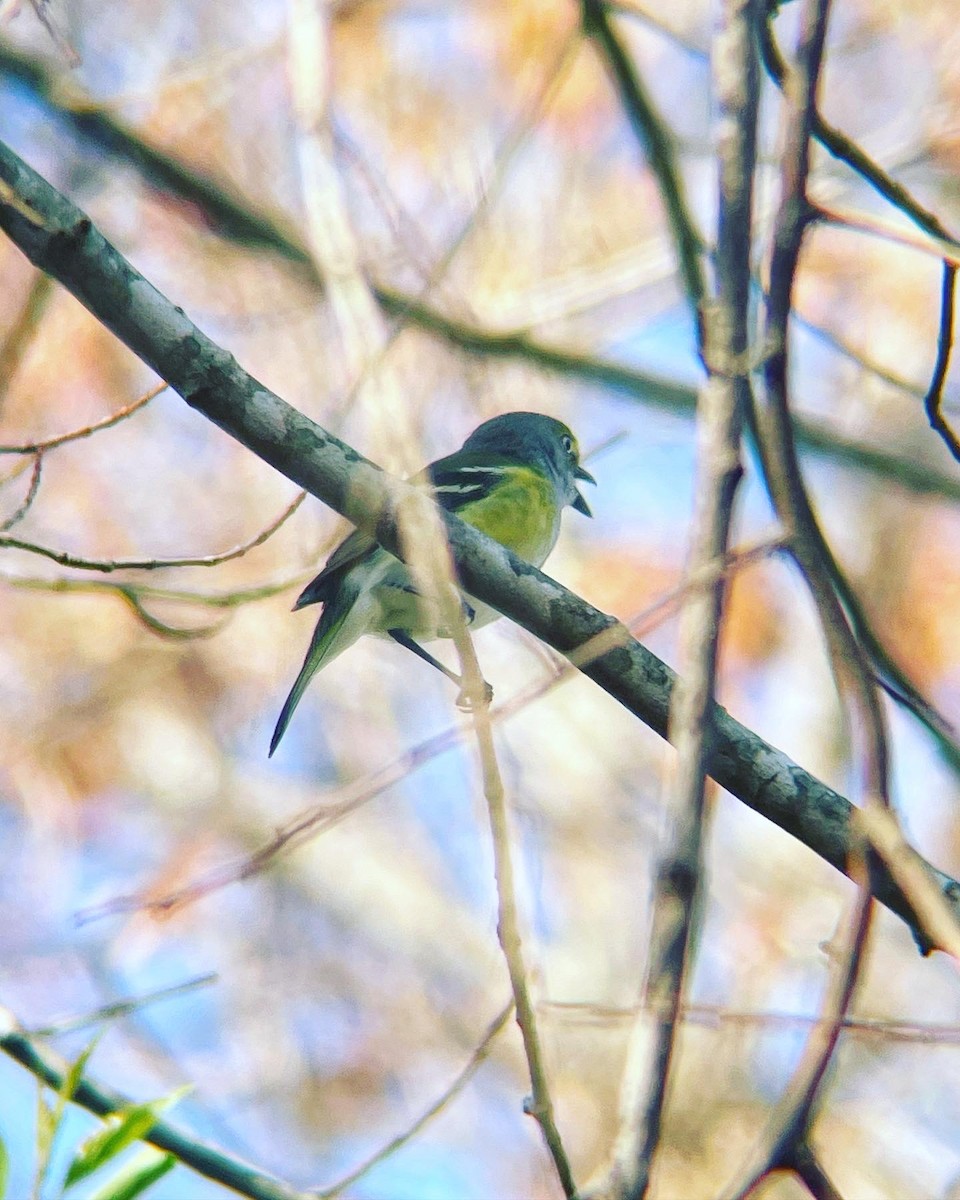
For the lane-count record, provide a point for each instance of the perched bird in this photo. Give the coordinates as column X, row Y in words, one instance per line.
column 511, row 479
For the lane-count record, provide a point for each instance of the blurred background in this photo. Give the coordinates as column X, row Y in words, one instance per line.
column 472, row 162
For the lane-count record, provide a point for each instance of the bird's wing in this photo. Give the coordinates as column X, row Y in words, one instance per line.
column 458, row 481
column 462, row 479
column 352, row 550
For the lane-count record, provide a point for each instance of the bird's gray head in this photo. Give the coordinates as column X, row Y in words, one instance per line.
column 539, row 441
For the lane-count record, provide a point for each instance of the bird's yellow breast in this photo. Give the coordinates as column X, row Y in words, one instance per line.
column 521, row 513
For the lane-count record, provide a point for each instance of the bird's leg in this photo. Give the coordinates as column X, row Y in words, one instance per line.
column 402, row 638
column 464, row 702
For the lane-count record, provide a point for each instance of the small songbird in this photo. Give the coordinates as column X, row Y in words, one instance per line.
column 511, row 479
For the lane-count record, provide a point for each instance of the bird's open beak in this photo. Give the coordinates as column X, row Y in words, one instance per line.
column 580, row 504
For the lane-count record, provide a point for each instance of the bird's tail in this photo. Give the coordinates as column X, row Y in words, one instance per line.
column 324, row 645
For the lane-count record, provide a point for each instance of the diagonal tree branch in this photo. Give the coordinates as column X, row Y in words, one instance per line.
column 62, row 241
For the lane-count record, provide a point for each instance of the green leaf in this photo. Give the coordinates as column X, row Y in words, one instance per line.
column 46, row 1125
column 122, row 1129
column 133, row 1179
column 71, row 1081
column 49, row 1118
column 4, row 1168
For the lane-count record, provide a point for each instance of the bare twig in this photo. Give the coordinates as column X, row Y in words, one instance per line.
column 176, row 633
column 889, row 674
column 21, row 333
column 540, row 1105
column 145, row 591
column 888, row 230
column 884, row 834
column 477, row 1059
column 119, row 1008
column 934, row 398
column 437, row 571
column 716, row 1016
column 135, row 596
column 88, row 430
column 653, row 135
column 109, row 565
column 24, row 507
column 807, row 1166
column 844, row 148
column 781, row 467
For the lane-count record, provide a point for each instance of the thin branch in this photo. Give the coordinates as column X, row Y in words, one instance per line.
column 804, row 1165
column 87, row 430
column 540, row 1105
column 844, row 148
column 22, row 467
column 427, row 553
column 808, row 1168
column 443, row 1101
column 715, row 1016
column 176, row 633
column 651, row 131
column 144, row 591
column 882, row 830
column 37, row 218
column 108, row 565
column 24, row 507
column 934, row 398
column 136, row 596
column 790, row 1124
column 889, row 674
column 22, row 331
column 778, row 451
column 119, row 1008
column 887, row 229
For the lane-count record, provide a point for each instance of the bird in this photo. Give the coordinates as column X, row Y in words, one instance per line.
column 511, row 479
